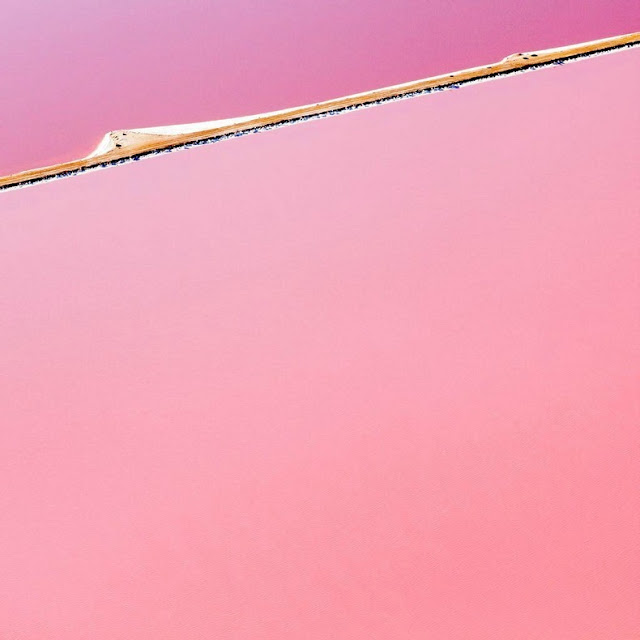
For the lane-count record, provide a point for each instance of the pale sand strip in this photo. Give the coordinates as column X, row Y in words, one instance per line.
column 131, row 144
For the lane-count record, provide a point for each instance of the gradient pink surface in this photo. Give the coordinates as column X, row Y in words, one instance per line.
column 73, row 70
column 374, row 376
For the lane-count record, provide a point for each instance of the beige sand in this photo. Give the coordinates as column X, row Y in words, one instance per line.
column 124, row 145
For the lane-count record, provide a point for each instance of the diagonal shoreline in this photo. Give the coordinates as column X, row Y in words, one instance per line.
column 122, row 146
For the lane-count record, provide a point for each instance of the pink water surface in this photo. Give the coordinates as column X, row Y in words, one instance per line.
column 370, row 377
column 71, row 70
